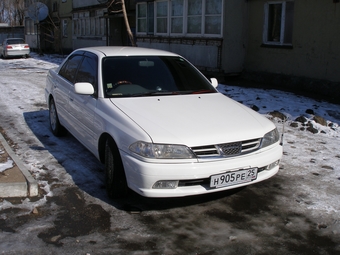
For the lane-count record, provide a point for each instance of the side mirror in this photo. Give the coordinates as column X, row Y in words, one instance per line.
column 84, row 88
column 214, row 82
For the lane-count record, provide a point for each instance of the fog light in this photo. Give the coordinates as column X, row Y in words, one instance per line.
column 272, row 165
column 165, row 185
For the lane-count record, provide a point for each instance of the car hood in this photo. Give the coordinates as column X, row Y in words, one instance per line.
column 194, row 120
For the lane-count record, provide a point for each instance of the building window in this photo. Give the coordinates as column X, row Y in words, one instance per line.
column 213, row 14
column 30, row 27
column 145, row 18
column 93, row 26
column 54, row 7
column 177, row 16
column 180, row 17
column 83, row 27
column 141, row 18
column 89, row 24
column 162, row 17
column 64, row 27
column 194, row 17
column 278, row 23
column 151, row 18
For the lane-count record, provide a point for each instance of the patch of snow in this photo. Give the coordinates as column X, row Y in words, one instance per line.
column 6, row 165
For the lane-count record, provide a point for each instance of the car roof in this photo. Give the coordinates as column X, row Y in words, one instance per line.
column 127, row 51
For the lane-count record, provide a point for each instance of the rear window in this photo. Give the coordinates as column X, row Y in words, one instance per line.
column 16, row 41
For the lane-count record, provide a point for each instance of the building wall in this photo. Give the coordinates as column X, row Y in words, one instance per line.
column 315, row 51
column 78, row 43
column 215, row 54
column 83, row 22
column 14, row 32
column 84, row 3
column 200, row 53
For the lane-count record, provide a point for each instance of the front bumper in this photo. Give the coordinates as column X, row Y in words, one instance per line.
column 141, row 176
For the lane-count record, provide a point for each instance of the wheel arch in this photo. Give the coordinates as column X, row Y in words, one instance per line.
column 50, row 96
column 101, row 145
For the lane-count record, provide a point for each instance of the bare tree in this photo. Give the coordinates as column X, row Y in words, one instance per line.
column 19, row 12
column 12, row 12
column 4, row 12
column 118, row 6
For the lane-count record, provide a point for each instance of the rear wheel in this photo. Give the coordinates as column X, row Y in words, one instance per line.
column 115, row 179
column 56, row 127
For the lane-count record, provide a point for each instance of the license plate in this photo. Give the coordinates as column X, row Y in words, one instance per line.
column 233, row 178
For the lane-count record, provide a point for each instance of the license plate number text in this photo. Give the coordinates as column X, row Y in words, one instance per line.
column 233, row 178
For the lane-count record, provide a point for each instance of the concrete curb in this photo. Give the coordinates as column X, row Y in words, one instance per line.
column 27, row 187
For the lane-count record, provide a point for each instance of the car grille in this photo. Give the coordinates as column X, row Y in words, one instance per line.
column 227, row 149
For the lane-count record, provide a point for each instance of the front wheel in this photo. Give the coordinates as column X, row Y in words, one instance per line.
column 56, row 127
column 115, row 179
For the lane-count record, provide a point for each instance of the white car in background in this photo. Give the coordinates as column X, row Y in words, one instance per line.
column 14, row 47
column 159, row 126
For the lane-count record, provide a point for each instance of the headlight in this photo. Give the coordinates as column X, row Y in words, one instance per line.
column 270, row 138
column 161, row 151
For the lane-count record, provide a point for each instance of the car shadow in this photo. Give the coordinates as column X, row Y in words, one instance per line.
column 88, row 173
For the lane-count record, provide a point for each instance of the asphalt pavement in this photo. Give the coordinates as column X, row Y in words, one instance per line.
column 15, row 181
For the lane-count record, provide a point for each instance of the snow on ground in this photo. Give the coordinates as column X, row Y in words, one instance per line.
column 306, row 155
column 6, row 165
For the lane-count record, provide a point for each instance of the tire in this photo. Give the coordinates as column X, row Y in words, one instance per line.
column 115, row 179
column 56, row 127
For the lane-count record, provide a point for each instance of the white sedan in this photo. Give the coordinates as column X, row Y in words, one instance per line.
column 160, row 127
column 13, row 47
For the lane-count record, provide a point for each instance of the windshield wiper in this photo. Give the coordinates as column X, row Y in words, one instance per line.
column 203, row 91
column 155, row 93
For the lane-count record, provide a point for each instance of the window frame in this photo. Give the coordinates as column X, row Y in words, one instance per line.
column 284, row 31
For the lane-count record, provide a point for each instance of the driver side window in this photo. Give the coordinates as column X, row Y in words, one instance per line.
column 88, row 71
column 69, row 69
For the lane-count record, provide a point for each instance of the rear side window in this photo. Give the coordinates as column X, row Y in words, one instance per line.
column 70, row 67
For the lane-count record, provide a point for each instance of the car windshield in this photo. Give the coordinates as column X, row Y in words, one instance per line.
column 15, row 41
column 135, row 76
